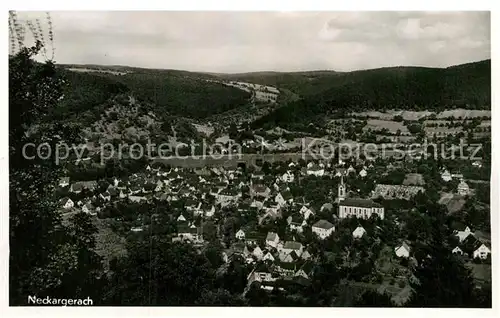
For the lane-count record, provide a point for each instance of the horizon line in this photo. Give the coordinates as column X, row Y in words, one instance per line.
column 268, row 71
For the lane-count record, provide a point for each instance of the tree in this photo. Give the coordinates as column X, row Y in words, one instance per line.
column 442, row 280
column 45, row 256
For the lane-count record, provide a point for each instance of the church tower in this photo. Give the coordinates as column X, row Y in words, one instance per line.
column 341, row 190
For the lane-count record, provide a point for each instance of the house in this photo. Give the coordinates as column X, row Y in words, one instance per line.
column 76, row 187
column 296, row 223
column 135, row 198
column 280, row 200
column 360, row 208
column 67, row 203
column 446, row 176
column 315, row 170
column 326, row 207
column 258, row 253
column 402, row 250
column 124, row 193
column 477, row 164
column 208, row 210
column 260, row 274
column 89, row 209
column 189, row 233
column 259, row 190
column 463, row 188
column 106, row 196
column 254, row 238
column 64, row 182
column 301, row 273
column 291, row 257
column 181, row 218
column 272, row 239
column 291, row 246
column 323, row 229
column 358, row 232
column 462, row 235
column 306, row 212
column 268, row 257
column 351, row 170
column 305, row 255
column 136, row 229
column 287, row 177
column 258, row 175
column 159, row 186
column 240, row 235
column 457, row 250
column 481, row 251
column 363, row 173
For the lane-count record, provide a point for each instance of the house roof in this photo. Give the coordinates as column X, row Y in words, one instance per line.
column 323, row 224
column 64, row 200
column 292, row 245
column 271, row 236
column 404, row 245
column 363, row 203
column 64, row 179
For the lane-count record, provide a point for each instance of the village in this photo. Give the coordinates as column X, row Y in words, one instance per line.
column 278, row 219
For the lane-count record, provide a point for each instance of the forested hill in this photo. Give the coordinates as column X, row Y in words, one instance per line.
column 177, row 93
column 407, row 88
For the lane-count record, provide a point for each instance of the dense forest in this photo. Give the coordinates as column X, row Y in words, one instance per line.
column 174, row 92
column 406, row 88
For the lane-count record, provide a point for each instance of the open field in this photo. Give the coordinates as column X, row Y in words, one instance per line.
column 415, row 115
column 392, row 126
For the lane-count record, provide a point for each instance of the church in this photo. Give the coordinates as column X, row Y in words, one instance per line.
column 354, row 207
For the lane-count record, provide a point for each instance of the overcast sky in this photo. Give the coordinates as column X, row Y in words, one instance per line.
column 269, row 41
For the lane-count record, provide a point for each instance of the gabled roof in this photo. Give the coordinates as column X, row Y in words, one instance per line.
column 292, row 245
column 271, row 236
column 362, row 203
column 323, row 224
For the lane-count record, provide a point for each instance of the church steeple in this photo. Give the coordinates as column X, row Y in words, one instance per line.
column 341, row 189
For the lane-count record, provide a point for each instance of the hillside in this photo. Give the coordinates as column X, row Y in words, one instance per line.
column 177, row 93
column 465, row 86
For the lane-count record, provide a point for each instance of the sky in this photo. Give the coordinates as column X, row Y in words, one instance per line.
column 232, row 42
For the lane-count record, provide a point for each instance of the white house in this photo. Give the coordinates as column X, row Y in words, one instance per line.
column 268, row 257
column 446, row 176
column 402, row 250
column 477, row 164
column 64, row 182
column 315, row 170
column 463, row 188
column 89, row 209
column 181, row 218
column 258, row 253
column 482, row 251
column 306, row 212
column 363, row 173
column 462, row 235
column 323, row 229
column 358, row 232
column 67, row 203
column 272, row 239
column 240, row 235
column 457, row 250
